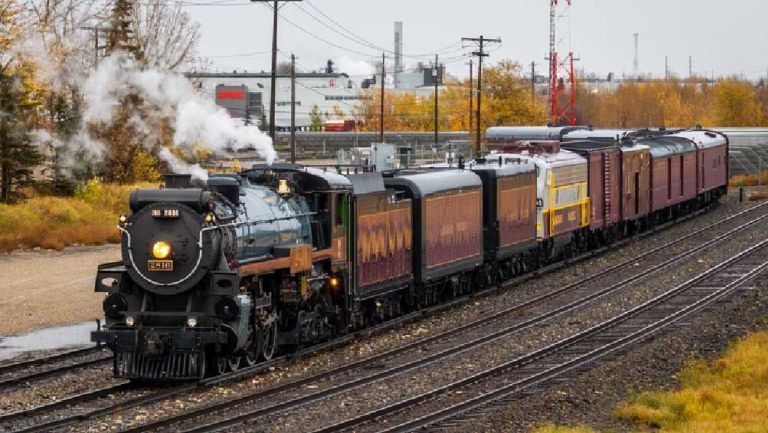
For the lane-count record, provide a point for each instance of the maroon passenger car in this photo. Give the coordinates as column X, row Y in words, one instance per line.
column 673, row 170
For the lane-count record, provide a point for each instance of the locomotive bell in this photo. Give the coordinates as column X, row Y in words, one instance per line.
column 282, row 187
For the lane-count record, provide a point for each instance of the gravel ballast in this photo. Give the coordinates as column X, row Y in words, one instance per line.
column 429, row 326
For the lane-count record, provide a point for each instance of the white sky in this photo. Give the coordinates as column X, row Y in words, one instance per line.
column 724, row 37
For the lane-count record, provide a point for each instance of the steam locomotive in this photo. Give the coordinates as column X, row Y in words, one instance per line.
column 275, row 258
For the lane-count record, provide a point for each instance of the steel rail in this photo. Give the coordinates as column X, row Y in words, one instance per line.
column 4, row 369
column 300, row 401
column 399, row 322
column 558, row 370
column 64, row 402
column 52, row 372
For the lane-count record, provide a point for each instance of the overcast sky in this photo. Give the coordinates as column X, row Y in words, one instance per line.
column 724, row 37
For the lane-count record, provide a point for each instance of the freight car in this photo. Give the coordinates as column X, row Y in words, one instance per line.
column 225, row 274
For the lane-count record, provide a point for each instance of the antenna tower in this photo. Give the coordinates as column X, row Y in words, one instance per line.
column 562, row 80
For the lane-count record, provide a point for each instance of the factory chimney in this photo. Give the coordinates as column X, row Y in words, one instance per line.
column 636, row 65
column 398, row 53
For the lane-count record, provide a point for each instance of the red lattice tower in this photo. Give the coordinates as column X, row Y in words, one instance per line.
column 562, row 80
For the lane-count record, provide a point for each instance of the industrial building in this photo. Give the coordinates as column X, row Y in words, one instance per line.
column 246, row 96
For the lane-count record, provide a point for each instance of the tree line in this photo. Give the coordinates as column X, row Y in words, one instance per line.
column 47, row 47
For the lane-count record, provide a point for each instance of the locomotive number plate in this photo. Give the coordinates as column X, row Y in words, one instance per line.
column 166, row 213
column 160, row 265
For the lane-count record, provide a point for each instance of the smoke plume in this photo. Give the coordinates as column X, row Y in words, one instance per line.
column 167, row 99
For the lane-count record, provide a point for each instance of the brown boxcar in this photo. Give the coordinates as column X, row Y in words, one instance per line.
column 604, row 161
column 447, row 220
column 636, row 182
column 509, row 192
column 713, row 159
column 673, row 170
column 383, row 238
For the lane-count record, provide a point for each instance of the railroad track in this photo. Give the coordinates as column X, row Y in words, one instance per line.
column 570, row 356
column 26, row 371
column 302, row 400
column 175, row 391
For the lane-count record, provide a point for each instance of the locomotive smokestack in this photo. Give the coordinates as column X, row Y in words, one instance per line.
column 179, row 181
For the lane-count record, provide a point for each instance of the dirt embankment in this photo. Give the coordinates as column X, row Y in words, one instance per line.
column 47, row 288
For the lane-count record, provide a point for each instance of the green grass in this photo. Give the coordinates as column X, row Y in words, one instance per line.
column 728, row 395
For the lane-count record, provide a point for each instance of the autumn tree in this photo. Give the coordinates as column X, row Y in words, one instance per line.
column 507, row 100
column 736, row 104
column 165, row 33
column 122, row 33
column 20, row 100
column 316, row 119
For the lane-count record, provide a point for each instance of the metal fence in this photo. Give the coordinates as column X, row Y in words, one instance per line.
column 748, row 152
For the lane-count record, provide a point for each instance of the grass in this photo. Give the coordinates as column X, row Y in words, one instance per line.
column 749, row 180
column 728, row 395
column 88, row 218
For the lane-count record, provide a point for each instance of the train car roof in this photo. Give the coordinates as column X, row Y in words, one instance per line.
column 588, row 146
column 529, row 132
column 597, row 134
column 613, row 134
column 508, row 167
column 313, row 178
column 669, row 145
column 563, row 158
column 427, row 182
column 366, row 183
column 704, row 138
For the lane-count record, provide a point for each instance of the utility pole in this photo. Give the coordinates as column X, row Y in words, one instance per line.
column 666, row 68
column 273, row 85
column 481, row 41
column 436, row 75
column 471, row 98
column 381, row 109
column 533, row 81
column 293, row 109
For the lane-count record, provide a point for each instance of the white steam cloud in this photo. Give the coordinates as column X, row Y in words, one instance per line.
column 180, row 167
column 197, row 121
column 355, row 67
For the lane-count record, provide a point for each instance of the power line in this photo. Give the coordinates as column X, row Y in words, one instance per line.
column 480, row 53
column 363, row 41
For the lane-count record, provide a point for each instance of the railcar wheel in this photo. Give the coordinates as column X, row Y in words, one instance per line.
column 201, row 367
column 269, row 345
column 217, row 364
column 253, row 349
column 233, row 363
column 221, row 364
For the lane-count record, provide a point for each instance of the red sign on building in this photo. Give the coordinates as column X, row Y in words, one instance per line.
column 230, row 95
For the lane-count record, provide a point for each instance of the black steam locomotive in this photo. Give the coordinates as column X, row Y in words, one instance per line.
column 212, row 278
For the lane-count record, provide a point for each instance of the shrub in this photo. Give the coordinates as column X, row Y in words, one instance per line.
column 88, row 218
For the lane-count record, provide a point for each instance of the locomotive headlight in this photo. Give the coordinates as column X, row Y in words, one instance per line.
column 129, row 320
column 123, row 219
column 209, row 218
column 161, row 250
column 191, row 322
